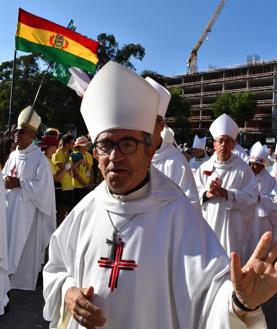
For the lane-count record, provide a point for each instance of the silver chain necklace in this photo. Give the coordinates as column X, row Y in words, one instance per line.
column 118, row 230
column 117, row 234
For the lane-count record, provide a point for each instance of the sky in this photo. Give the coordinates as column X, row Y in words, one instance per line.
column 168, row 30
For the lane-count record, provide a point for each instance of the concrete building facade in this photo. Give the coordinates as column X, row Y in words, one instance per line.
column 201, row 90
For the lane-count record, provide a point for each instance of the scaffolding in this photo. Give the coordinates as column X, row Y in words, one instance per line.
column 201, row 90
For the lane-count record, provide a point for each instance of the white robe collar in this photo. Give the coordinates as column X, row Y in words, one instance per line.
column 138, row 194
column 28, row 151
column 213, row 163
column 158, row 192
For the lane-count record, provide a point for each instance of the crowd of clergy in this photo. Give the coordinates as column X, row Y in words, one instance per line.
column 41, row 181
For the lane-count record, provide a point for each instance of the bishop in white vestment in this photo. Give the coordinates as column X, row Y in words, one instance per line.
column 266, row 207
column 31, row 211
column 4, row 279
column 199, row 153
column 134, row 253
column 174, row 165
column 273, row 169
column 230, row 209
column 240, row 151
column 181, row 278
column 167, row 157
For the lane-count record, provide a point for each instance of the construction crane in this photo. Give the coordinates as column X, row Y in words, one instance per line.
column 192, row 61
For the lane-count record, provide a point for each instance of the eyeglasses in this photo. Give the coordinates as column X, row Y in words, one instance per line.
column 224, row 140
column 19, row 131
column 127, row 145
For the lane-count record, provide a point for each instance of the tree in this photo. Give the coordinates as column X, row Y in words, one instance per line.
column 57, row 104
column 177, row 116
column 108, row 50
column 241, row 106
column 26, row 76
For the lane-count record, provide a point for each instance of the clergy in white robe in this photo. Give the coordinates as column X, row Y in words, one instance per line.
column 181, row 274
column 273, row 169
column 167, row 157
column 199, row 153
column 31, row 212
column 134, row 253
column 228, row 191
column 196, row 162
column 173, row 164
column 240, row 151
column 271, row 156
column 4, row 278
column 266, row 207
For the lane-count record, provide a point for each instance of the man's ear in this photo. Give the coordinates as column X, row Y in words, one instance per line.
column 95, row 155
column 150, row 151
column 162, row 124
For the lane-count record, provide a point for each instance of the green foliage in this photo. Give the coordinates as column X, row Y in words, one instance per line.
column 57, row 104
column 177, row 116
column 26, row 75
column 5, row 87
column 241, row 106
column 177, row 107
column 108, row 50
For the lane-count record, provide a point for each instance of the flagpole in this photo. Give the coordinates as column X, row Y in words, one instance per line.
column 11, row 93
column 35, row 99
column 42, row 80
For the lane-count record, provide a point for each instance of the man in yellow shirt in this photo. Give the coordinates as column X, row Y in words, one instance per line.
column 61, row 159
column 83, row 169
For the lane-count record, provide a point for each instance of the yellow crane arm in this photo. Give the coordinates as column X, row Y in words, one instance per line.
column 192, row 66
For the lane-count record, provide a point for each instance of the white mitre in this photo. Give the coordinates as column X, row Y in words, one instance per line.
column 28, row 118
column 117, row 97
column 199, row 143
column 258, row 153
column 165, row 96
column 167, row 135
column 224, row 125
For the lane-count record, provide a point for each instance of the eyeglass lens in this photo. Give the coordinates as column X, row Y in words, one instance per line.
column 19, row 131
column 125, row 146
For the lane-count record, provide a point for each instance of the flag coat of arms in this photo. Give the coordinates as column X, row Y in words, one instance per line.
column 59, row 44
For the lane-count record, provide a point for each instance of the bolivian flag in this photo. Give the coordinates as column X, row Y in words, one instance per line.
column 59, row 44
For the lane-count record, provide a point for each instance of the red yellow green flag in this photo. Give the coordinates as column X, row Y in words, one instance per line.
column 57, row 43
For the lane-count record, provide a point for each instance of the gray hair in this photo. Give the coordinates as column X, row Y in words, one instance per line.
column 147, row 138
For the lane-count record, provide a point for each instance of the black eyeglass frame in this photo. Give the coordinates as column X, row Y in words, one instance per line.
column 111, row 145
column 19, row 131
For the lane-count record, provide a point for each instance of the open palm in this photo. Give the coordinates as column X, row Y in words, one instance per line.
column 256, row 282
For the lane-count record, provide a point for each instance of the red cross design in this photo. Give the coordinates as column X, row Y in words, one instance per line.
column 116, row 265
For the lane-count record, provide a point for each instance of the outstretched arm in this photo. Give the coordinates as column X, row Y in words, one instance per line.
column 256, row 282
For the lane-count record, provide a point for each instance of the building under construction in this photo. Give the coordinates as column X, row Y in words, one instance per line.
column 201, row 90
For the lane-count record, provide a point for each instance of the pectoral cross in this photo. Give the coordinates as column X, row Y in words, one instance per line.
column 115, row 261
column 116, row 241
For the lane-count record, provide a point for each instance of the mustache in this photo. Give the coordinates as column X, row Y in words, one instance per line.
column 114, row 167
